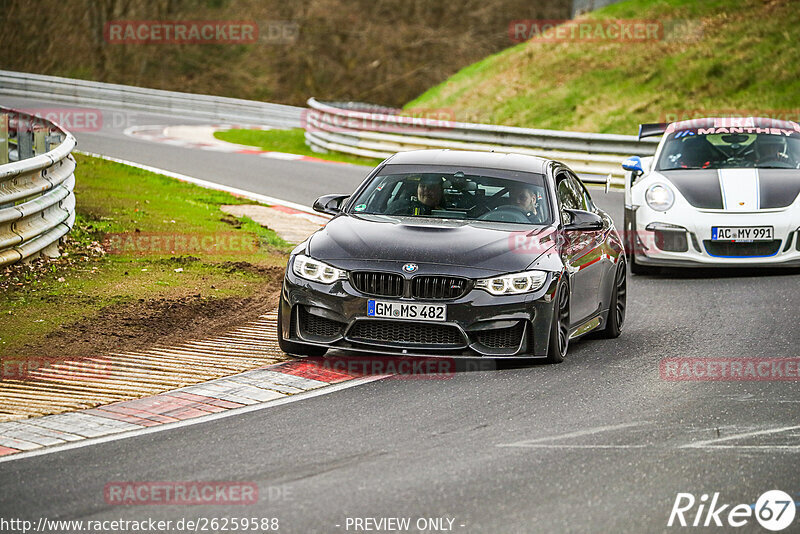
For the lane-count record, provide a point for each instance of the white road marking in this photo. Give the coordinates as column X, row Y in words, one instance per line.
column 748, row 447
column 567, row 446
column 711, row 443
column 548, row 442
column 537, row 442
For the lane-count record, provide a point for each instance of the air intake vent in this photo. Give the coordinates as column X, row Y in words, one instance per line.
column 729, row 249
column 501, row 338
column 316, row 326
column 438, row 287
column 377, row 283
column 406, row 333
column 671, row 240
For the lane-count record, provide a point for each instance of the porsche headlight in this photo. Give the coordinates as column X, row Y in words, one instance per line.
column 660, row 197
column 316, row 271
column 513, row 284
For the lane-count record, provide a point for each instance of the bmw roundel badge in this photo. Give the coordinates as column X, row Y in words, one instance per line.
column 409, row 267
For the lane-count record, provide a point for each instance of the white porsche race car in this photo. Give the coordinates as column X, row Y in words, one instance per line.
column 717, row 192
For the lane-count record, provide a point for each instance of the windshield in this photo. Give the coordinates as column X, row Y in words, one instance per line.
column 726, row 148
column 469, row 193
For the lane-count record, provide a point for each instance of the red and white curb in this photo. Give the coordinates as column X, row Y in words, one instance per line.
column 171, row 135
column 259, row 388
column 265, row 387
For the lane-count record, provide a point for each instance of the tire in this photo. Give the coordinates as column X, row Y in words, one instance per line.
column 297, row 349
column 559, row 327
column 618, row 303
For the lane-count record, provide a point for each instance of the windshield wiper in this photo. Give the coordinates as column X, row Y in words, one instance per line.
column 775, row 167
column 685, row 168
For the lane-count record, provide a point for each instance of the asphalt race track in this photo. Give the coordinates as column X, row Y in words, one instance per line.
column 296, row 181
column 600, row 443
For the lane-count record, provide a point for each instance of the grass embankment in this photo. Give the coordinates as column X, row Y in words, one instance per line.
column 716, row 57
column 146, row 253
column 289, row 141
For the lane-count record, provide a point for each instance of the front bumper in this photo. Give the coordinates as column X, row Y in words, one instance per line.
column 478, row 324
column 679, row 240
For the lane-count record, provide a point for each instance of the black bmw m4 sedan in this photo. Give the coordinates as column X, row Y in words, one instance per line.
column 457, row 254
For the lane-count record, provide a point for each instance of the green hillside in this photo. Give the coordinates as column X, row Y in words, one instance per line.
column 715, row 56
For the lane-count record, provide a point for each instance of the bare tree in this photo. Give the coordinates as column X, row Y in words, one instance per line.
column 384, row 51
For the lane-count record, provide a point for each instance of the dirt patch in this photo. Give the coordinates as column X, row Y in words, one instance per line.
column 143, row 323
column 292, row 227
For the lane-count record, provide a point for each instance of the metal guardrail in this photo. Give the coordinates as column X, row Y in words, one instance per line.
column 37, row 204
column 130, row 98
column 377, row 132
column 350, row 128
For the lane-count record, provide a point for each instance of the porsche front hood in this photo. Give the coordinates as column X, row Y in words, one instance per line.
column 745, row 190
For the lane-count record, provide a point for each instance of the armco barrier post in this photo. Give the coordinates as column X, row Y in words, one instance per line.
column 3, row 138
column 24, row 137
column 39, row 135
column 52, row 140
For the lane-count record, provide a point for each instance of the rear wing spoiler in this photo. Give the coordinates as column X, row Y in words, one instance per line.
column 649, row 130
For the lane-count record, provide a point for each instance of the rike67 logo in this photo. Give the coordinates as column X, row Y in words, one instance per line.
column 774, row 510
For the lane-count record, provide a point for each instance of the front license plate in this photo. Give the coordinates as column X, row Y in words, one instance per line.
column 410, row 310
column 741, row 233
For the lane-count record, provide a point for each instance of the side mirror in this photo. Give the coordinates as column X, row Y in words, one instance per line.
column 330, row 204
column 633, row 165
column 583, row 221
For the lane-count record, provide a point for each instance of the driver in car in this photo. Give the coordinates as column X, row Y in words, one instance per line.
column 430, row 195
column 525, row 198
column 771, row 149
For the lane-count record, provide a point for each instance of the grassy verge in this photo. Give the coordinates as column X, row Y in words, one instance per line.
column 288, row 141
column 715, row 57
column 139, row 238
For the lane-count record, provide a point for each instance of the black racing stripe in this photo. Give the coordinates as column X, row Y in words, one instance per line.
column 700, row 187
column 777, row 188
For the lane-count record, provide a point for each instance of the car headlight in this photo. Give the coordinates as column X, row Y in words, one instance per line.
column 316, row 271
column 660, row 197
column 513, row 284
